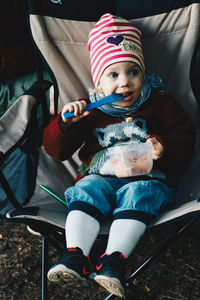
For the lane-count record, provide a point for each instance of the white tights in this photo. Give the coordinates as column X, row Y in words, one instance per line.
column 82, row 230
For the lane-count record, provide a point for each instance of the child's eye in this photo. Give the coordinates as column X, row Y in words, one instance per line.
column 133, row 73
column 113, row 75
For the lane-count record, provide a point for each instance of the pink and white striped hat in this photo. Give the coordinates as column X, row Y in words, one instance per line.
column 113, row 39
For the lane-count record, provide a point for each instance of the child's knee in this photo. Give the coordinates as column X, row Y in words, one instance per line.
column 93, row 190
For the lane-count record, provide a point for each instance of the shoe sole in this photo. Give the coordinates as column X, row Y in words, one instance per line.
column 112, row 285
column 66, row 277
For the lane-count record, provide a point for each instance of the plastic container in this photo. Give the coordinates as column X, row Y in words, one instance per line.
column 132, row 159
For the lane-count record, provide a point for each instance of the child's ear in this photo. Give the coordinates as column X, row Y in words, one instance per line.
column 99, row 89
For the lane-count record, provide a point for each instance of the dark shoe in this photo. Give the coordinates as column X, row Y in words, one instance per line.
column 110, row 273
column 71, row 271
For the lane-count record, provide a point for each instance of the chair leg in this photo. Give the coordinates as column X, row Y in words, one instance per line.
column 154, row 256
column 44, row 268
column 160, row 250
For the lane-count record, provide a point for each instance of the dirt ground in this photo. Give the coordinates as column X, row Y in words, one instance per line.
column 175, row 275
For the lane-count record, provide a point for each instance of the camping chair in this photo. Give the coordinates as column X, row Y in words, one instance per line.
column 171, row 45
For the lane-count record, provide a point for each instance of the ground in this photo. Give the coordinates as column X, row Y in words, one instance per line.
column 175, row 275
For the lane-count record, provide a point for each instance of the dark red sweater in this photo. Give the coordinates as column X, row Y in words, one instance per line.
column 163, row 117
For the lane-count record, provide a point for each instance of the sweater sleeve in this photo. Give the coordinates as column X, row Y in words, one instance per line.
column 178, row 138
column 62, row 140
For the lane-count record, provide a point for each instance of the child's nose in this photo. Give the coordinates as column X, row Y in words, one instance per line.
column 124, row 80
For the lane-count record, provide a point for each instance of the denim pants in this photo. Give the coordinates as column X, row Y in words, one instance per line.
column 123, row 198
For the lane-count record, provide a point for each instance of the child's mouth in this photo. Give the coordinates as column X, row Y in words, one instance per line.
column 127, row 96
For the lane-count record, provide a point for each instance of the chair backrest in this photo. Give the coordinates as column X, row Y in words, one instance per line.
column 168, row 41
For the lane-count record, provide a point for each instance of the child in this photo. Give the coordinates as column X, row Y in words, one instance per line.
column 146, row 115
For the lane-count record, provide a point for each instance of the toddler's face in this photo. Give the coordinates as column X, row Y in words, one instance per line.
column 122, row 78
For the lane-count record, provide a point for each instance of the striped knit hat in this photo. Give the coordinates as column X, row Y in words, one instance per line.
column 113, row 39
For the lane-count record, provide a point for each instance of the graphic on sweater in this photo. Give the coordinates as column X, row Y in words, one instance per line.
column 134, row 131
column 111, row 136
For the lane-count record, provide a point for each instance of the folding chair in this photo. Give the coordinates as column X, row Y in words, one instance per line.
column 171, row 42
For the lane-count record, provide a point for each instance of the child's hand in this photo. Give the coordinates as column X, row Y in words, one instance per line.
column 158, row 148
column 77, row 107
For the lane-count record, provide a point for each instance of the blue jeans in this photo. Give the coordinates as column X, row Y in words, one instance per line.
column 126, row 199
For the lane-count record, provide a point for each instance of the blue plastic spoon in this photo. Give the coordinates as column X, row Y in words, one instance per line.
column 106, row 100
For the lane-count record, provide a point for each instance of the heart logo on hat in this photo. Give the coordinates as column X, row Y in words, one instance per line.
column 115, row 40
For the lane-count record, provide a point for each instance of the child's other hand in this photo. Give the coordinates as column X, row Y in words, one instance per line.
column 158, row 148
column 77, row 107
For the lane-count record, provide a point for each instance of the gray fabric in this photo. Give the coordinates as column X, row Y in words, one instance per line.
column 13, row 122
